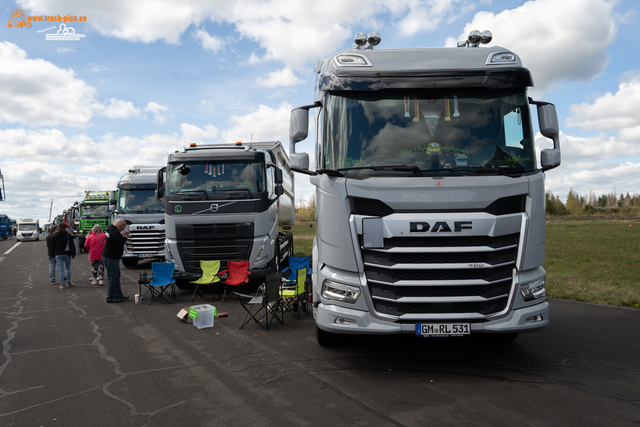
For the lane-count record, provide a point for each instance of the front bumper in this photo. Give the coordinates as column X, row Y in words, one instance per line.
column 341, row 320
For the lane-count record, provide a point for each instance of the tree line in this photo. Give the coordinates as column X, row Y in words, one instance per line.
column 592, row 204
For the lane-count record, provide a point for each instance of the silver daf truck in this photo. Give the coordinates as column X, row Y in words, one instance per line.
column 430, row 199
column 226, row 202
column 135, row 202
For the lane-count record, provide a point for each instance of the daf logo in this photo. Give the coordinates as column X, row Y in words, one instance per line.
column 145, row 227
column 439, row 227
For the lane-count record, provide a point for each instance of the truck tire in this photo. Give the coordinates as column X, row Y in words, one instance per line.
column 129, row 262
column 325, row 338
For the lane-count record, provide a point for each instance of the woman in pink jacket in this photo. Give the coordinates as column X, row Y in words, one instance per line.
column 94, row 244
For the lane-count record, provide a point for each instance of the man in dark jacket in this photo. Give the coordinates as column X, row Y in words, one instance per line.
column 51, row 252
column 111, row 255
column 64, row 250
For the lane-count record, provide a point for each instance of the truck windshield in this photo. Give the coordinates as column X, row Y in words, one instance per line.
column 94, row 211
column 405, row 133
column 26, row 227
column 209, row 177
column 139, row 201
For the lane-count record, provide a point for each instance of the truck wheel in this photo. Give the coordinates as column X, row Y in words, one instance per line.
column 129, row 262
column 325, row 338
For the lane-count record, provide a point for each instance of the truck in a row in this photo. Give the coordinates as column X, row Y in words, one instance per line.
column 430, row 199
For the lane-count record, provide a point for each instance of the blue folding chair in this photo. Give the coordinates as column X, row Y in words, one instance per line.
column 163, row 284
column 295, row 288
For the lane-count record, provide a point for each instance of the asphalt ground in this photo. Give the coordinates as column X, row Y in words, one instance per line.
column 70, row 359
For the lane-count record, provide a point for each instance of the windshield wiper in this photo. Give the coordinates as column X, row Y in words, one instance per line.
column 237, row 189
column 195, row 192
column 400, row 168
column 330, row 172
column 478, row 170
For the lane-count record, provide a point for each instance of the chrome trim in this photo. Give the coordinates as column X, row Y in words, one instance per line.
column 438, row 266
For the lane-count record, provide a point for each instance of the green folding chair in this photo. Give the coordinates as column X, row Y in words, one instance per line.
column 210, row 278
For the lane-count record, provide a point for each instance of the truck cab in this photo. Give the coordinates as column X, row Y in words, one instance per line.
column 429, row 197
column 136, row 203
column 225, row 202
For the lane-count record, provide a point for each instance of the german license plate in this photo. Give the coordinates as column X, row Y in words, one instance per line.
column 442, row 329
column 145, row 255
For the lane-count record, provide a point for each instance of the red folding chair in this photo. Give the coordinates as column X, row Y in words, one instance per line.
column 238, row 277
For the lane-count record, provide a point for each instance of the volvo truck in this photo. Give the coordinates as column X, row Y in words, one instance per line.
column 226, row 202
column 430, row 201
column 136, row 203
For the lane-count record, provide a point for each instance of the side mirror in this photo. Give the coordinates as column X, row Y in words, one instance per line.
column 279, row 189
column 548, row 121
column 299, row 161
column 160, row 184
column 298, row 126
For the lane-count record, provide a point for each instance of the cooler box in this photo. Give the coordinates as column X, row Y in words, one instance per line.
column 202, row 315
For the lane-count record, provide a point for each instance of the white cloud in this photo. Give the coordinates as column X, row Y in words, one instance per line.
column 557, row 40
column 279, row 78
column 161, row 113
column 264, row 124
column 208, row 41
column 192, row 133
column 37, row 92
column 118, row 109
column 610, row 111
column 425, row 16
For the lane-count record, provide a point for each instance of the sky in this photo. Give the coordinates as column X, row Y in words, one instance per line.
column 145, row 78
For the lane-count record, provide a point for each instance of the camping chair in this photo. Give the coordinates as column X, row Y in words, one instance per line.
column 163, row 283
column 210, row 277
column 294, row 289
column 238, row 277
column 265, row 304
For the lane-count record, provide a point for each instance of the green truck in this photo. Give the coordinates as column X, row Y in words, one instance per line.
column 94, row 209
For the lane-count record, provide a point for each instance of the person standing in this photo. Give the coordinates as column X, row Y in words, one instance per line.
column 64, row 251
column 51, row 252
column 111, row 255
column 94, row 244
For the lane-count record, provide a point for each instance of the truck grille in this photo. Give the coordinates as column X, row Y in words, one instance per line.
column 423, row 277
column 145, row 241
column 225, row 242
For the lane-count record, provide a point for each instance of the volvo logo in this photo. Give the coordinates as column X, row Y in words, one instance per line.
column 214, row 207
column 439, row 227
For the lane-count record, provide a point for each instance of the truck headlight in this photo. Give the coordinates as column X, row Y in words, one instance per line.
column 340, row 292
column 534, row 290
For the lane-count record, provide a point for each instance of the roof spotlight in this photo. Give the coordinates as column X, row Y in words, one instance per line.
column 360, row 39
column 374, row 38
column 474, row 37
column 486, row 37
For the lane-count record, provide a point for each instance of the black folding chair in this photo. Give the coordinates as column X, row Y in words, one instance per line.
column 266, row 302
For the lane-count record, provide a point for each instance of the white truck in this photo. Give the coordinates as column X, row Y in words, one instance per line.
column 226, row 202
column 135, row 202
column 430, row 202
column 28, row 229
